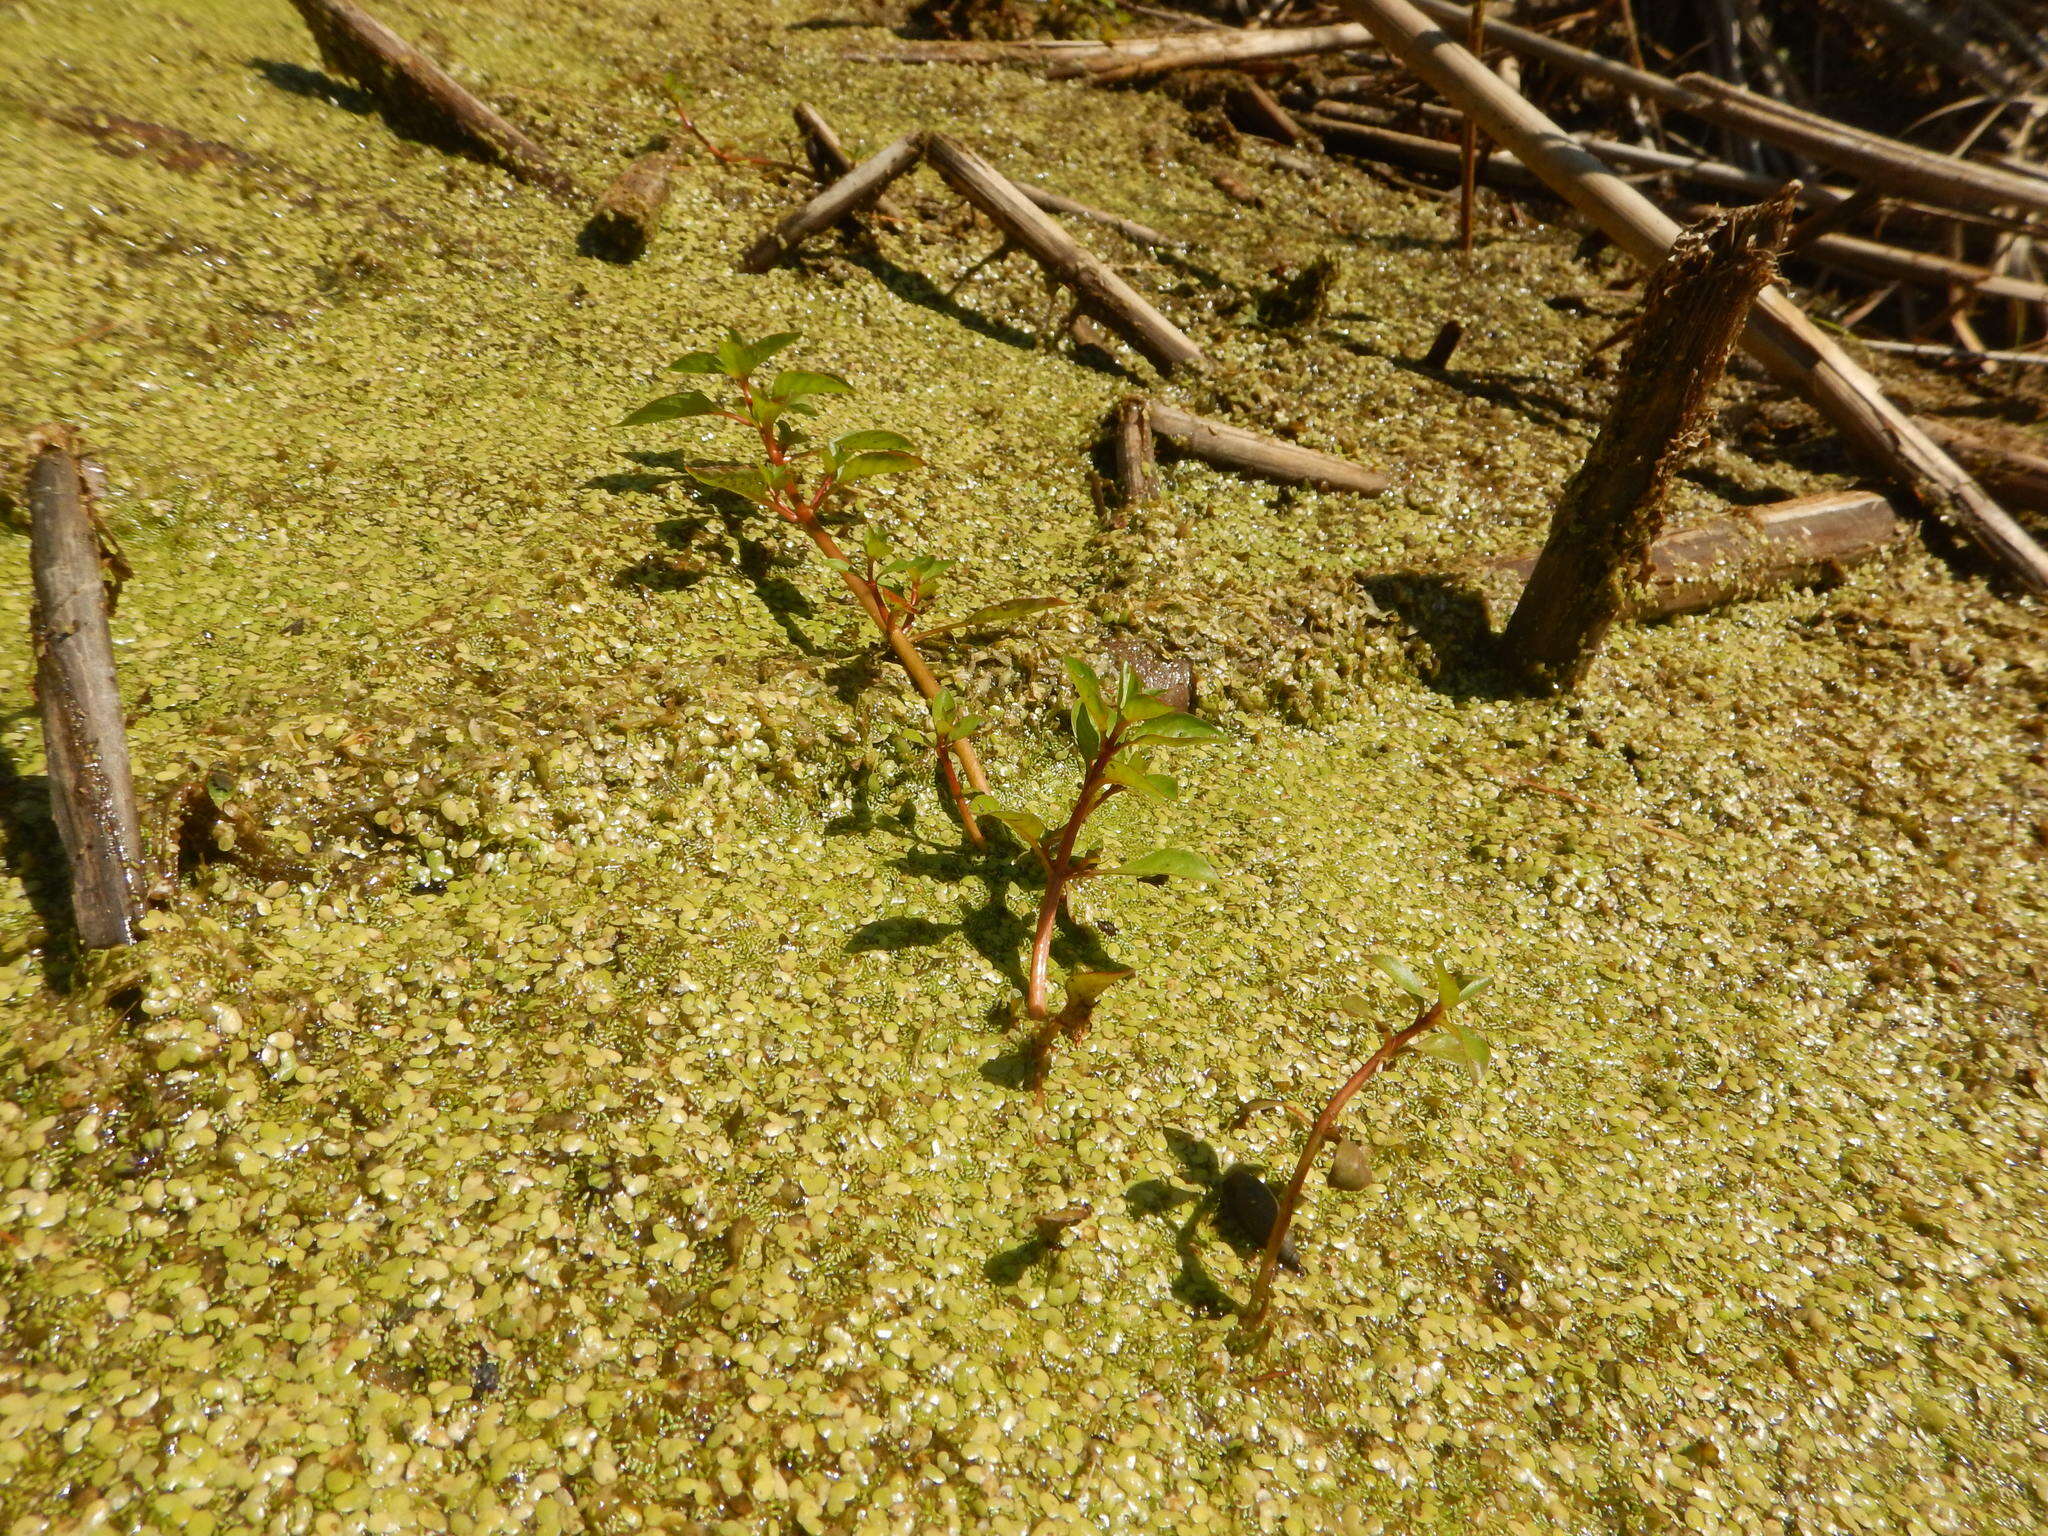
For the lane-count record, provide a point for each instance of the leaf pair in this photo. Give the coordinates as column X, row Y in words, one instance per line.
column 864, row 455
column 737, row 358
column 1123, row 704
column 950, row 722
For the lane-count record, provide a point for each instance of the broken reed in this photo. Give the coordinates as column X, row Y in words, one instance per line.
column 1694, row 307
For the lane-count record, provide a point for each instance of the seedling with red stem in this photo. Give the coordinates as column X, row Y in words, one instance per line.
column 1115, row 728
column 1444, row 990
column 800, row 483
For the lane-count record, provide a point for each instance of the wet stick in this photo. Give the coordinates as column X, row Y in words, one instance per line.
column 1779, row 335
column 92, row 793
column 418, row 94
column 1252, row 453
column 630, row 211
column 1694, row 307
column 848, row 195
column 1100, row 291
column 1756, row 550
column 1132, row 452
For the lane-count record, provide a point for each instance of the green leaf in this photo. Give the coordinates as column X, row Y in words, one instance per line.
column 1354, row 1005
column 1471, row 986
column 1177, row 862
column 1445, row 981
column 758, row 352
column 1023, row 823
column 1133, row 776
column 691, row 402
column 1460, row 1046
column 1128, row 689
column 1146, row 707
column 794, row 384
column 1087, row 986
column 1089, row 687
column 875, row 545
column 697, row 362
column 865, row 466
column 1086, row 738
column 1402, row 977
column 745, row 480
column 873, row 440
column 1176, row 726
column 997, row 613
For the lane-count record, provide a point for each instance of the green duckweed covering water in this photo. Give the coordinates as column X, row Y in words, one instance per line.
column 583, row 1096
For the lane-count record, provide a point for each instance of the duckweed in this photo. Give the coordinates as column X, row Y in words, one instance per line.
column 568, row 1090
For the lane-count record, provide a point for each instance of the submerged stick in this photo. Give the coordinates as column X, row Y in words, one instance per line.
column 1135, row 460
column 1230, row 447
column 1694, row 307
column 630, row 211
column 1779, row 336
column 418, row 94
column 92, row 792
column 1100, row 291
column 1754, row 551
column 849, row 194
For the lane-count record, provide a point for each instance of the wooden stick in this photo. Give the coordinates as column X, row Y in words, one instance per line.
column 1943, row 181
column 92, row 792
column 1447, row 338
column 1782, row 544
column 419, row 94
column 1694, row 307
column 849, row 194
column 1135, row 460
column 630, row 211
column 1779, row 336
column 1825, row 221
column 1936, row 352
column 1100, row 291
column 1257, row 112
column 828, row 157
column 2015, row 475
column 1468, row 138
column 1231, row 447
column 1144, row 57
column 1130, row 229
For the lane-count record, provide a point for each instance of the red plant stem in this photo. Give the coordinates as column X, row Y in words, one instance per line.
column 1059, row 869
column 1326, row 1122
column 967, row 821
column 805, row 515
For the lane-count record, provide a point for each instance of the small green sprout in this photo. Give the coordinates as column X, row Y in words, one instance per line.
column 1116, row 727
column 1433, row 1033
column 801, row 481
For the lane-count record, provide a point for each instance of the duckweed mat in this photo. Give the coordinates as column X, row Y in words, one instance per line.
column 570, row 1084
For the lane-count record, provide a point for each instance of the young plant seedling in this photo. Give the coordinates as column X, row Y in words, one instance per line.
column 800, row 482
column 1434, row 1034
column 1115, row 728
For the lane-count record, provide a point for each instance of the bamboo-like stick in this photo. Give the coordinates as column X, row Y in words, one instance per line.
column 1132, row 454
column 1944, row 181
column 1099, row 290
column 849, row 194
column 2015, row 475
column 1694, row 307
column 1753, row 551
column 1252, row 453
column 1142, row 58
column 630, row 210
column 420, row 94
column 1778, row 335
column 92, row 792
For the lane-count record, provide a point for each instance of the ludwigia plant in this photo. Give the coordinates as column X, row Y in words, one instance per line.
column 802, row 482
column 1115, row 728
column 1433, row 1033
